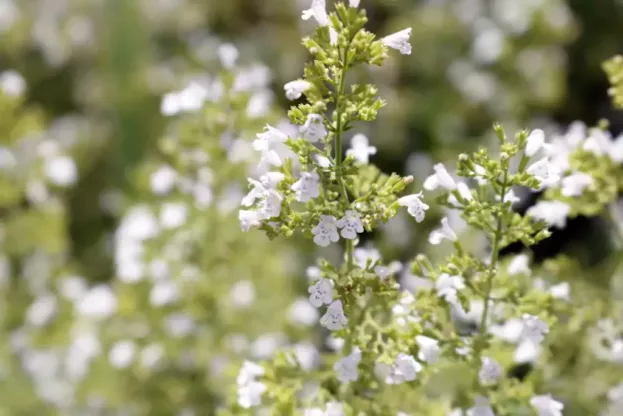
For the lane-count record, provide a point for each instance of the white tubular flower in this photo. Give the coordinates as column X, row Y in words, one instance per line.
column 250, row 390
column 415, row 207
column 399, row 41
column 448, row 286
column 318, row 11
column 405, row 369
column 429, row 349
column 162, row 181
column 482, row 407
column 480, row 175
column 271, row 144
column 353, row 3
column 443, row 233
column 346, row 368
column 325, row 232
column 545, row 171
column 554, row 213
column 490, row 371
column 574, row 184
column 294, row 89
column 321, row 292
column 270, row 206
column 464, row 191
column 545, row 405
column 534, row 329
column 520, row 264
column 249, row 219
column 307, row 187
column 314, row 129
column 360, row 149
column 257, row 192
column 441, row 177
column 350, row 224
column 510, row 196
column 615, row 152
column 334, row 319
column 535, row 142
column 270, row 180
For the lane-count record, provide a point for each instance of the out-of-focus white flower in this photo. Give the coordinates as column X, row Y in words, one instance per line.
column 404, row 369
column 443, row 233
column 318, row 11
column 490, row 371
column 249, row 219
column 545, row 405
column 448, row 286
column 399, row 41
column 294, row 89
column 520, row 264
column 228, row 55
column 303, row 313
column 250, row 390
column 99, row 302
column 242, row 294
column 42, row 310
column 271, row 144
column 61, row 170
column 162, row 180
column 547, row 173
column 429, row 349
column 164, row 293
column 122, row 354
column 360, row 149
column 173, row 214
column 482, row 407
column 535, row 142
column 353, row 3
column 346, row 368
column 11, row 82
column 534, row 328
column 574, row 184
column 554, row 213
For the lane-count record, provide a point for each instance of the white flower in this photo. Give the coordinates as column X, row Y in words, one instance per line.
column 164, row 293
column 42, row 310
column 162, row 181
column 490, row 371
column 363, row 255
column 545, row 405
column 249, row 219
column 270, row 180
column 441, row 177
column 326, row 231
column 173, row 214
column 510, row 196
column 520, row 264
column 228, row 54
column 11, row 82
column 302, row 312
column 61, row 170
column 250, row 390
column 346, row 368
column 242, row 294
column 361, row 149
column 335, row 409
column 574, row 184
column 545, row 172
column 350, row 224
column 481, row 407
column 318, row 11
column 99, row 302
column 448, row 286
column 443, row 233
column 270, row 205
column 464, row 191
column 353, row 3
column 321, row 292
column 399, row 41
column 271, row 143
column 534, row 329
column 404, row 369
column 307, row 187
column 334, row 319
column 122, row 354
column 560, row 291
column 554, row 213
column 314, row 129
column 616, row 150
column 535, row 142
column 415, row 207
column 429, row 349
column 294, row 89
column 256, row 192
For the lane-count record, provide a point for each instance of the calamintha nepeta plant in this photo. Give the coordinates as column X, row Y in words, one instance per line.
column 396, row 348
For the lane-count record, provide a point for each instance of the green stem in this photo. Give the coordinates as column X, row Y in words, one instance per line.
column 495, row 254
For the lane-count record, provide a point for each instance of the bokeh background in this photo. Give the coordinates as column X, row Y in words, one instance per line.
column 83, row 330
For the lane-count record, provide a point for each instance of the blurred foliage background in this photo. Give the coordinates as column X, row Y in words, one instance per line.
column 96, row 71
